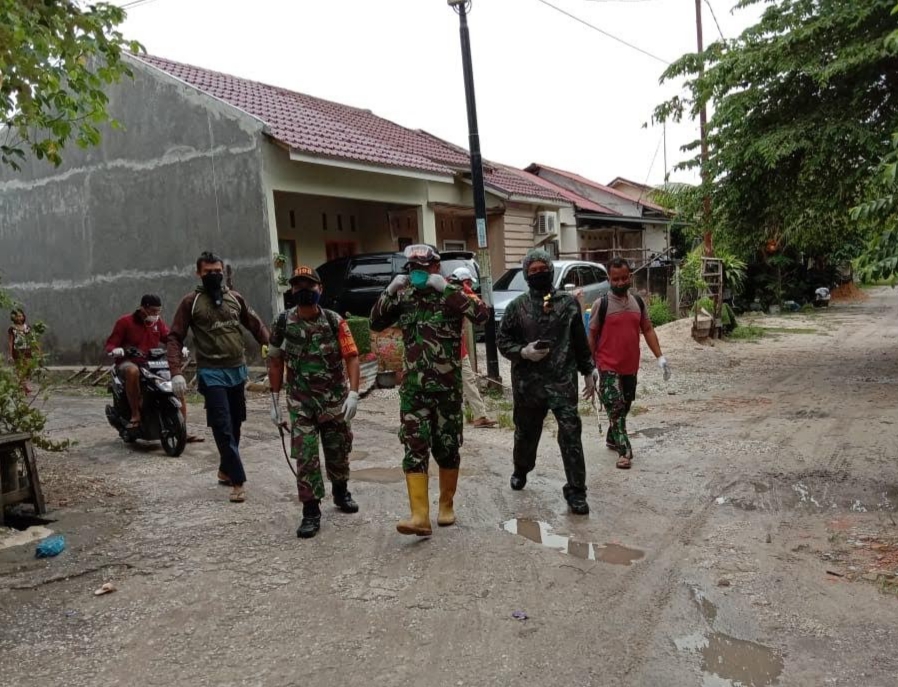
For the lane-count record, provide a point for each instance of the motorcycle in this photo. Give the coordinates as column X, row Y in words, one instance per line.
column 822, row 297
column 160, row 412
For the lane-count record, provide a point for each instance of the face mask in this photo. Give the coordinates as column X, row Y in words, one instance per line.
column 306, row 297
column 620, row 290
column 212, row 285
column 540, row 281
column 151, row 319
column 418, row 278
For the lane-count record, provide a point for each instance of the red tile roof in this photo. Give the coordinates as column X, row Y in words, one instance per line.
column 601, row 187
column 328, row 129
column 580, row 202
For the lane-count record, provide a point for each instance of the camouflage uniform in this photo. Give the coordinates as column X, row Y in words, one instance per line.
column 316, row 389
column 430, row 399
column 550, row 384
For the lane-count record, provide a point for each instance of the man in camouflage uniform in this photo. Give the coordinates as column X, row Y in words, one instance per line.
column 429, row 312
column 313, row 344
column 542, row 334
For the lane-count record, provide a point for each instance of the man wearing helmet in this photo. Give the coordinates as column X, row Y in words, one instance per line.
column 542, row 334
column 462, row 277
column 429, row 311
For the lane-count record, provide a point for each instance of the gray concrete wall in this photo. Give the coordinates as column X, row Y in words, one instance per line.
column 79, row 244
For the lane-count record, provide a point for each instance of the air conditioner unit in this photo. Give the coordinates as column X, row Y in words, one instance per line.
column 546, row 223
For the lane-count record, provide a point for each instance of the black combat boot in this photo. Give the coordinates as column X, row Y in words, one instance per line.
column 576, row 501
column 518, row 480
column 343, row 499
column 311, row 520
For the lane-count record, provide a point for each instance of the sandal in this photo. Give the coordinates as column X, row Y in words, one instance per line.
column 624, row 463
column 237, row 495
column 223, row 479
column 194, row 439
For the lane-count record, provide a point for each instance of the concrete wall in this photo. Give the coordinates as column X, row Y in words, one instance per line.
column 80, row 244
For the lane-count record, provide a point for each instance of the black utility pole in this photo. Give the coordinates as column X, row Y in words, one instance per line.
column 486, row 281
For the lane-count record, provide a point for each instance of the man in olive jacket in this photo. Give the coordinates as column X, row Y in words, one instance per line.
column 215, row 314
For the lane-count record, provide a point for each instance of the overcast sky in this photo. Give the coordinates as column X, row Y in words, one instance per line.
column 549, row 89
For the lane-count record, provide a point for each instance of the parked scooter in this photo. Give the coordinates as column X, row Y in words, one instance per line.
column 160, row 411
column 822, row 297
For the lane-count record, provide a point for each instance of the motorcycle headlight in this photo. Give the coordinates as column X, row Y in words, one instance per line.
column 164, row 386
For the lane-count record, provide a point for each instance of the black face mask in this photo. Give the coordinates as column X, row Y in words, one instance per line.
column 306, row 297
column 212, row 285
column 540, row 281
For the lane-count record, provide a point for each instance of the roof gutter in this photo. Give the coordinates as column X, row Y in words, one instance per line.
column 610, row 219
column 297, row 156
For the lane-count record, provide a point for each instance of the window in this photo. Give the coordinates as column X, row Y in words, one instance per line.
column 287, row 248
column 600, row 275
column 454, row 245
column 404, row 242
column 370, row 272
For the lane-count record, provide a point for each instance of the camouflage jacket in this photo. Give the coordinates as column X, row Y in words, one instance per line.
column 316, row 378
column 531, row 317
column 431, row 324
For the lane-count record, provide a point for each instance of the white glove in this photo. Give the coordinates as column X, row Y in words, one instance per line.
column 185, row 352
column 533, row 354
column 400, row 281
column 117, row 353
column 665, row 367
column 592, row 379
column 276, row 409
column 351, row 405
column 437, row 282
column 179, row 385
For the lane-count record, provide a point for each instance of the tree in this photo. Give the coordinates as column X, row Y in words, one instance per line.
column 55, row 59
column 803, row 104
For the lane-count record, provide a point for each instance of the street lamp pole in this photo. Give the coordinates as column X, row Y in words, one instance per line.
column 486, row 282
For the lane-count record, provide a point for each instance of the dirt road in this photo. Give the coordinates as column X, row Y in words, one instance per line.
column 750, row 545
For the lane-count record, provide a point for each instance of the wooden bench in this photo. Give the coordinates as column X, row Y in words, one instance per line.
column 18, row 486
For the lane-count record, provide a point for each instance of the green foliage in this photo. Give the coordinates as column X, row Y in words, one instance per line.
column 746, row 332
column 55, row 59
column 18, row 410
column 361, row 332
column 703, row 302
column 800, row 103
column 692, row 284
column 879, row 261
column 659, row 311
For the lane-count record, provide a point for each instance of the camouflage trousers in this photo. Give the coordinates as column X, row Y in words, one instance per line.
column 617, row 393
column 430, row 423
column 336, row 439
column 528, row 428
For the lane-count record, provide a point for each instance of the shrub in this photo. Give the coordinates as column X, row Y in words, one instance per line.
column 659, row 311
column 361, row 332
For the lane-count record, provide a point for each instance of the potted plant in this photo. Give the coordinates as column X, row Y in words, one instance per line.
column 280, row 260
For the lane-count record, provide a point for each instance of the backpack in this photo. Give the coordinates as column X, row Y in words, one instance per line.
column 603, row 310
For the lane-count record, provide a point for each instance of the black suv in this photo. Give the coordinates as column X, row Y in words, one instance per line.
column 352, row 285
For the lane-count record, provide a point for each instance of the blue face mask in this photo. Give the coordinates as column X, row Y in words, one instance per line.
column 418, row 278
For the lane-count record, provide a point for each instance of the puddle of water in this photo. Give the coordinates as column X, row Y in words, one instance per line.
column 541, row 533
column 377, row 475
column 741, row 662
column 651, row 432
column 28, row 536
column 729, row 661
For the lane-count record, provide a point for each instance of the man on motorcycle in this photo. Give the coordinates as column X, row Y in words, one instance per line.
column 142, row 330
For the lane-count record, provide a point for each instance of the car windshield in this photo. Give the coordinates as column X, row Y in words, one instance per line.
column 513, row 280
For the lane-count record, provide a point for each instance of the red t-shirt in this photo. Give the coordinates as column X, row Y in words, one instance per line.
column 618, row 347
column 132, row 332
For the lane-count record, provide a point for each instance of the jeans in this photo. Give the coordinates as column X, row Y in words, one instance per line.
column 225, row 412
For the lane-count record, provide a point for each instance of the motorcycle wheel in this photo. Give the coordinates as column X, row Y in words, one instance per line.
column 174, row 432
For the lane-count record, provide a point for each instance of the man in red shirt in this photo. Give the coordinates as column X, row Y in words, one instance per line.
column 614, row 327
column 144, row 330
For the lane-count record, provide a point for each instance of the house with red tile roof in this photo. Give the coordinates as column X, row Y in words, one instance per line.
column 618, row 219
column 264, row 176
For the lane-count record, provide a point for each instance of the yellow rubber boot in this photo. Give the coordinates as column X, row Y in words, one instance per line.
column 419, row 522
column 448, row 483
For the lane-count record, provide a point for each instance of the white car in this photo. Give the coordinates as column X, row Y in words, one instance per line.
column 587, row 281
